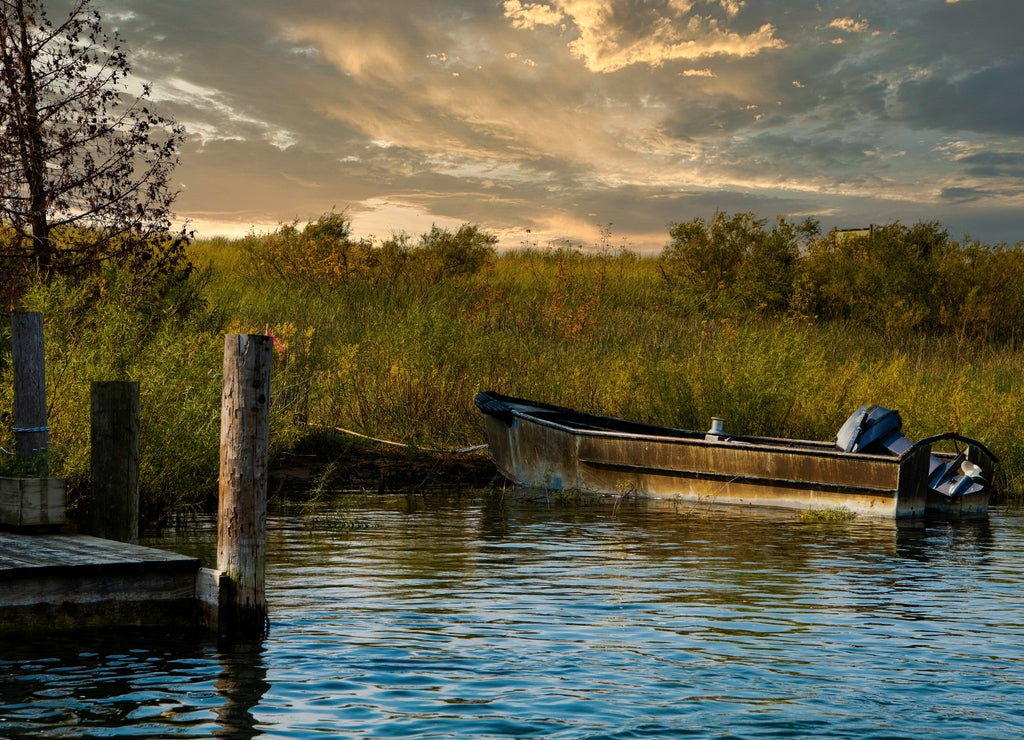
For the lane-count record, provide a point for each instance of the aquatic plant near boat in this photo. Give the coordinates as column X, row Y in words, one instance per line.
column 826, row 516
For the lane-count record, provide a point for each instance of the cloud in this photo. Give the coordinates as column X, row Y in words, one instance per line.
column 995, row 164
column 963, row 195
column 987, row 99
column 531, row 15
column 613, row 34
column 353, row 50
column 849, row 25
column 559, row 114
column 208, row 114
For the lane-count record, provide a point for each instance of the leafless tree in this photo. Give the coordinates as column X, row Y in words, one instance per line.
column 85, row 166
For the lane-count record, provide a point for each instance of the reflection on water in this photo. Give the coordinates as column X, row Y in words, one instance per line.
column 241, row 684
column 473, row 617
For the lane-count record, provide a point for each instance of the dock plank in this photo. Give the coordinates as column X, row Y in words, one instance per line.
column 76, row 581
column 19, row 551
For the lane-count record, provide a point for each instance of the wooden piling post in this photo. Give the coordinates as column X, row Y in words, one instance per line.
column 242, row 510
column 114, row 506
column 31, row 426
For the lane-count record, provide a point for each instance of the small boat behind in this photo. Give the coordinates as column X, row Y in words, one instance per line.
column 871, row 468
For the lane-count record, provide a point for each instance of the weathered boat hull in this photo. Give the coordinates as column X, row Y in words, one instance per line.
column 549, row 447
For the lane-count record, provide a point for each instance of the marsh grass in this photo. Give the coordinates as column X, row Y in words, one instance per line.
column 826, row 516
column 401, row 357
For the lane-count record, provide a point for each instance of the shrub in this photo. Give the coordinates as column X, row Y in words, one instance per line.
column 323, row 255
column 899, row 280
column 320, row 255
column 443, row 254
column 734, row 263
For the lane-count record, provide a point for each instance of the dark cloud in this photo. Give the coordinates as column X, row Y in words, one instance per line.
column 964, row 195
column 995, row 164
column 988, row 100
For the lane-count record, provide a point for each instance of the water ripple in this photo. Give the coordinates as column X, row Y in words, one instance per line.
column 513, row 619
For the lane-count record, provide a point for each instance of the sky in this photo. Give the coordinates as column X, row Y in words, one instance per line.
column 601, row 122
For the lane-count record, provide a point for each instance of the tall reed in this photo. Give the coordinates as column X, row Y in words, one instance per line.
column 400, row 354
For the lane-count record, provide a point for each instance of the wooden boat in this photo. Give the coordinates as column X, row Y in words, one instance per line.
column 871, row 469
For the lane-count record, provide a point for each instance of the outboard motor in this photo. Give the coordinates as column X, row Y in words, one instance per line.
column 874, row 429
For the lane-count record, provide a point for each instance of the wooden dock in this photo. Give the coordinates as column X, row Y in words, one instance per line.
column 70, row 582
column 73, row 582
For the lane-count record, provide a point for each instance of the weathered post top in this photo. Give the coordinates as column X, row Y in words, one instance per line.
column 242, row 509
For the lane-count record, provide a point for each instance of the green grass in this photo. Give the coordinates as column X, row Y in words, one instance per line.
column 826, row 516
column 402, row 359
column 605, row 333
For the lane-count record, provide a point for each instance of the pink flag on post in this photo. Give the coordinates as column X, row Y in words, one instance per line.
column 277, row 344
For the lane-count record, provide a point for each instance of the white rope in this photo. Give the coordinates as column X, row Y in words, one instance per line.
column 471, row 449
column 402, row 444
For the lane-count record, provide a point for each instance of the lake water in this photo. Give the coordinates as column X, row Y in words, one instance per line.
column 469, row 617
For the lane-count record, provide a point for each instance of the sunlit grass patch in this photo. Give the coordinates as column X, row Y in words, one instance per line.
column 826, row 516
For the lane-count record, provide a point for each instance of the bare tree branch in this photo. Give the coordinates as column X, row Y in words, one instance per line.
column 77, row 151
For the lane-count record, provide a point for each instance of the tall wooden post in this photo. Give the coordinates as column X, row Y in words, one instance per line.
column 114, row 507
column 242, row 511
column 31, row 427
